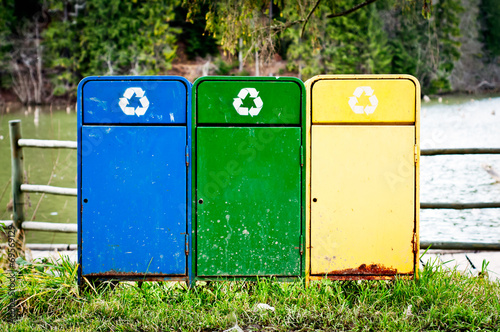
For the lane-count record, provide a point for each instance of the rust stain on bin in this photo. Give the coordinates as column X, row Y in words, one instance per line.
column 370, row 269
column 363, row 277
column 359, row 277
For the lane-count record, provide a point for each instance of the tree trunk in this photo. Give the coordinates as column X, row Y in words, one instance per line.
column 240, row 56
column 39, row 87
column 257, row 70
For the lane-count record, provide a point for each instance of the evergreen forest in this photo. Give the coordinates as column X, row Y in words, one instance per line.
column 48, row 46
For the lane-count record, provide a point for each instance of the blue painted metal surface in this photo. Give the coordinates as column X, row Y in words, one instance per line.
column 134, row 178
column 104, row 101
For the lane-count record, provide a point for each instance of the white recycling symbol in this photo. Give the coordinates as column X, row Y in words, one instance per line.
column 254, row 110
column 353, row 101
column 139, row 110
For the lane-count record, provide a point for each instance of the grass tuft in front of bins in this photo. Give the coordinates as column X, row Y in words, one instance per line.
column 48, row 299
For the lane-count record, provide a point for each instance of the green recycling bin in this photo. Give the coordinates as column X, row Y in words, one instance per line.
column 249, row 180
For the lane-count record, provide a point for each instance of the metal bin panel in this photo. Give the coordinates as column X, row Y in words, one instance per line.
column 248, row 201
column 363, row 100
column 249, row 101
column 134, row 101
column 363, row 200
column 133, row 199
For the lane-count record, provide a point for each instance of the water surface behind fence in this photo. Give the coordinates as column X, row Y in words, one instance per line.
column 460, row 178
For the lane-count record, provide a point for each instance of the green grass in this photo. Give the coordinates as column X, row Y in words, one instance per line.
column 441, row 299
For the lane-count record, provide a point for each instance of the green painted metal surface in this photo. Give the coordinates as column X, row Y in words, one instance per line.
column 249, row 182
column 273, row 101
column 249, row 194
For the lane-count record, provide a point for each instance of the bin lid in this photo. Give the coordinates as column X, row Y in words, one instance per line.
column 364, row 99
column 134, row 100
column 248, row 100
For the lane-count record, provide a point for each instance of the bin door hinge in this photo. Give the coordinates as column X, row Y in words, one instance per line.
column 187, row 156
column 301, row 156
column 415, row 242
column 186, row 249
column 301, row 245
column 416, row 152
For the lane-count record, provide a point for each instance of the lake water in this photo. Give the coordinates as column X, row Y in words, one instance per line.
column 469, row 124
column 453, row 123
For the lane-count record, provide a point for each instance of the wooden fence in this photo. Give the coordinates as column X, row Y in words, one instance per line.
column 18, row 188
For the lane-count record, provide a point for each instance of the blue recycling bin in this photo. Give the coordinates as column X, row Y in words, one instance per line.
column 134, row 178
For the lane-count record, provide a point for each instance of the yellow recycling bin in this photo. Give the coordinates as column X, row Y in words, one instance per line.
column 362, row 176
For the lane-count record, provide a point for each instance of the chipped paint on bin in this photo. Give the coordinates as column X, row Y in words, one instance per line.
column 362, row 177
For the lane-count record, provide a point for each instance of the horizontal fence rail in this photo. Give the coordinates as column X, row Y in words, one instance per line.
column 460, row 206
column 436, row 152
column 46, row 246
column 38, row 143
column 459, row 246
column 50, row 227
column 38, row 188
column 44, row 226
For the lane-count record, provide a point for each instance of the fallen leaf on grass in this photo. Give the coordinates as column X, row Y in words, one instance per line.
column 263, row 306
column 408, row 312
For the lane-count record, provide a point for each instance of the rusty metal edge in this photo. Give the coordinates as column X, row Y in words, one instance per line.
column 362, row 277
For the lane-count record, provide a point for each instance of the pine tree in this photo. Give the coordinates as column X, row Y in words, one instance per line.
column 447, row 20
column 426, row 47
column 490, row 11
column 122, row 37
column 360, row 44
column 62, row 45
column 6, row 30
column 197, row 41
column 101, row 37
column 352, row 44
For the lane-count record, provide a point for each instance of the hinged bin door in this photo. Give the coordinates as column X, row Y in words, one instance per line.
column 363, row 191
column 134, row 197
column 249, row 196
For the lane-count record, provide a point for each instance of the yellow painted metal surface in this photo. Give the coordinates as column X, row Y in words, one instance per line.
column 363, row 198
column 362, row 220
column 376, row 100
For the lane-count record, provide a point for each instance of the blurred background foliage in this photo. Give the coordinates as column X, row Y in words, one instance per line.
column 48, row 46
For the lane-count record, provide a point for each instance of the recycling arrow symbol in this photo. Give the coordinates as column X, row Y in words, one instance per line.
column 127, row 95
column 358, row 109
column 254, row 94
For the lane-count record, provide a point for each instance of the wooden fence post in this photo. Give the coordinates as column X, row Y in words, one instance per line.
column 17, row 173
